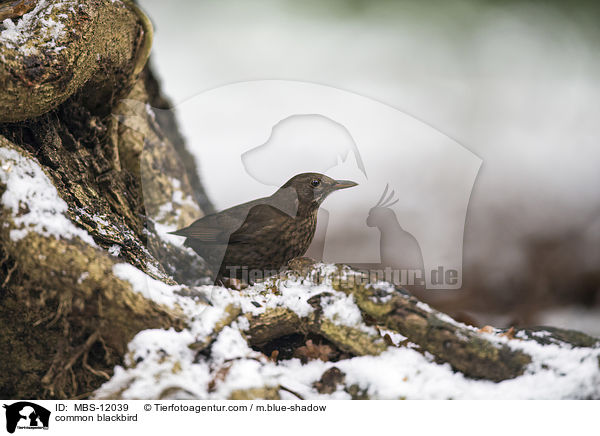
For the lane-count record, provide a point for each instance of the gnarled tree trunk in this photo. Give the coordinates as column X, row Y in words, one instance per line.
column 65, row 317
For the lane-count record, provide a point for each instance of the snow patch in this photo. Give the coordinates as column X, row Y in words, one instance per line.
column 150, row 288
column 34, row 201
column 230, row 345
column 114, row 250
column 169, row 214
column 342, row 310
column 35, row 26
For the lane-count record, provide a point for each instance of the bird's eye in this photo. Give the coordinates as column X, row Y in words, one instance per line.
column 315, row 182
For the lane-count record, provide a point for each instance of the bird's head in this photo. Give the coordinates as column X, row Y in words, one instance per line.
column 313, row 188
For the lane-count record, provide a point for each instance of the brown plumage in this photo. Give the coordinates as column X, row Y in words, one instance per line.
column 264, row 234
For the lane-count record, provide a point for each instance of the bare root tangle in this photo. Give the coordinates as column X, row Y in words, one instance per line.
column 47, row 308
column 62, row 367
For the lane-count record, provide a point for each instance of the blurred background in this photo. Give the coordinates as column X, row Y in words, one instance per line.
column 516, row 83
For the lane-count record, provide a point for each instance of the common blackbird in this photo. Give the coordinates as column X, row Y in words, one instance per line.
column 257, row 238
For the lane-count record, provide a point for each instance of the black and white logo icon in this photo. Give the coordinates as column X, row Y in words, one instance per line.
column 26, row 415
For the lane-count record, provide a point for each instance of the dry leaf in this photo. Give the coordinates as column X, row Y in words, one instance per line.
column 330, row 380
column 510, row 333
column 310, row 351
column 487, row 329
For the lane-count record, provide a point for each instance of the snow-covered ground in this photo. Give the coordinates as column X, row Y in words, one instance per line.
column 160, row 363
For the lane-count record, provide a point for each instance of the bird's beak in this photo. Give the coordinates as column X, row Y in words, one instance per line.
column 343, row 184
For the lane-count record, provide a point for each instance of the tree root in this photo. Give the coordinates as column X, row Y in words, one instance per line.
column 36, row 81
column 463, row 347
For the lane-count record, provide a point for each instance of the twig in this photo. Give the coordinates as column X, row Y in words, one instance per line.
column 283, row 388
column 87, row 366
column 8, row 276
column 82, row 349
column 59, row 312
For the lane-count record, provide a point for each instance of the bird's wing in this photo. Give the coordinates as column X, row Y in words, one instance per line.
column 217, row 228
column 203, row 232
column 262, row 219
